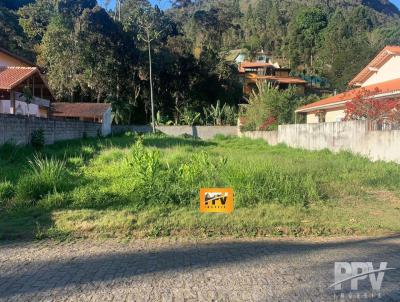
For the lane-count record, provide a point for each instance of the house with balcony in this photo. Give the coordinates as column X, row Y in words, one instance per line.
column 23, row 88
column 253, row 73
column 24, row 91
column 381, row 77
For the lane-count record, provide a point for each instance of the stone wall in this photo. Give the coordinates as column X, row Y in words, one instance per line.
column 203, row 132
column 352, row 136
column 18, row 129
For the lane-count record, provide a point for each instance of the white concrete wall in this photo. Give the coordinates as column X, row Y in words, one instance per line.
column 350, row 136
column 389, row 71
column 312, row 118
column 23, row 108
column 330, row 117
column 332, row 136
column 334, row 116
column 203, row 132
column 271, row 137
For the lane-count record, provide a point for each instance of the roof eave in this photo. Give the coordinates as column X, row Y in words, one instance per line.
column 372, row 67
column 336, row 104
column 321, row 107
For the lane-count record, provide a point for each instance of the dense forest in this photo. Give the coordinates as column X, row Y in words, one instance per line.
column 90, row 54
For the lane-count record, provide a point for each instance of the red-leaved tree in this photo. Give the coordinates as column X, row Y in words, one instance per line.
column 367, row 106
column 268, row 123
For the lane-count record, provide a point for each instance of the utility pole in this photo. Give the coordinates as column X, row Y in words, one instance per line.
column 119, row 10
column 153, row 123
column 149, row 35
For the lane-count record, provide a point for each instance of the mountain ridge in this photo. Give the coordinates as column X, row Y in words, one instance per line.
column 385, row 7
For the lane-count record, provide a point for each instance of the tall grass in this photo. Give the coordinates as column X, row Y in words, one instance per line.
column 46, row 175
column 50, row 169
column 151, row 185
column 7, row 192
column 133, row 172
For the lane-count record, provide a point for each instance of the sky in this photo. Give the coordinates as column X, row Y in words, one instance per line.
column 165, row 3
column 397, row 2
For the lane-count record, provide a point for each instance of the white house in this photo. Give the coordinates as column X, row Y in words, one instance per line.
column 381, row 74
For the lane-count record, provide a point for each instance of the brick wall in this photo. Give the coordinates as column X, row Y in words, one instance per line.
column 18, row 129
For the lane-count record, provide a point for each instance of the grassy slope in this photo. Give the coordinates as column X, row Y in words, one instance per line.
column 278, row 191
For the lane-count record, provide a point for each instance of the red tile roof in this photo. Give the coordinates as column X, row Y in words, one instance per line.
column 80, row 110
column 392, row 87
column 11, row 77
column 387, row 53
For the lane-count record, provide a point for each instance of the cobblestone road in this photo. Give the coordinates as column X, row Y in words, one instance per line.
column 168, row 270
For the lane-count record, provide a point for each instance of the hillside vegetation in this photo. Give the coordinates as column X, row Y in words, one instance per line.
column 332, row 38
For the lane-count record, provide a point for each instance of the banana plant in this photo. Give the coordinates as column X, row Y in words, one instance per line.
column 216, row 113
column 160, row 120
column 189, row 117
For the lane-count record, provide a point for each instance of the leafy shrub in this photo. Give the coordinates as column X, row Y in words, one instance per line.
column 46, row 176
column 37, row 139
column 270, row 103
column 7, row 192
column 146, row 164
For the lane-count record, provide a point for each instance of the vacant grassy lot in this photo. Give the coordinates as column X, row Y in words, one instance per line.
column 130, row 186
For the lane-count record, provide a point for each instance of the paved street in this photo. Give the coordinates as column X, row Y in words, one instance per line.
column 170, row 270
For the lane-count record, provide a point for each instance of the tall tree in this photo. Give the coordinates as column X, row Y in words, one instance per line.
column 304, row 35
column 35, row 18
column 12, row 36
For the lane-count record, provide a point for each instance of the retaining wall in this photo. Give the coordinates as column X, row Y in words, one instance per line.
column 203, row 132
column 18, row 129
column 352, row 136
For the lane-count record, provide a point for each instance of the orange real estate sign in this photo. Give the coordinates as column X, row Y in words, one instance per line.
column 216, row 200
